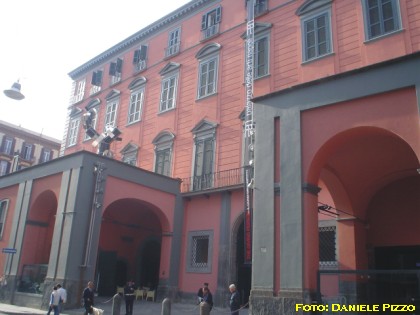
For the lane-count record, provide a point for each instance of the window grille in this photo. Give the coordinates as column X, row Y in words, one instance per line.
column 200, row 251
column 327, row 246
column 200, row 247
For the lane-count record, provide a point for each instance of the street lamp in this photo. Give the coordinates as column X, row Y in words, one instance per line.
column 14, row 92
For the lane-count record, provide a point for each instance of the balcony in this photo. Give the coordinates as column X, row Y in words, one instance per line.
column 172, row 50
column 210, row 31
column 94, row 89
column 213, row 181
column 140, row 66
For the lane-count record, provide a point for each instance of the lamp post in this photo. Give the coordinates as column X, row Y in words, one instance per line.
column 14, row 92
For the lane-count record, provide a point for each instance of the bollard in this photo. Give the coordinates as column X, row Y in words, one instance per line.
column 204, row 308
column 116, row 304
column 166, row 307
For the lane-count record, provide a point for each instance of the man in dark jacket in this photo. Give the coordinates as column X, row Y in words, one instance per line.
column 88, row 296
column 129, row 297
column 235, row 300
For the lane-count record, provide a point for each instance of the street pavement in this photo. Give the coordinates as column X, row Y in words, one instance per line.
column 141, row 307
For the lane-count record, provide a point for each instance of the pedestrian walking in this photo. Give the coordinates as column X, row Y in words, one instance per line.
column 88, row 298
column 63, row 296
column 235, row 300
column 54, row 302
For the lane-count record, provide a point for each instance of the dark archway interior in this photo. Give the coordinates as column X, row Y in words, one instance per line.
column 244, row 269
column 150, row 261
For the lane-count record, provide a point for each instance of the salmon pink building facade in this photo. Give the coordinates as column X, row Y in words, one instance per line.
column 325, row 211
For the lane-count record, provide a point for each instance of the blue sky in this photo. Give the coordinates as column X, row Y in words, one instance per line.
column 43, row 40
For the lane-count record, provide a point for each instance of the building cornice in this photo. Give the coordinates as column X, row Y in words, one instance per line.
column 176, row 15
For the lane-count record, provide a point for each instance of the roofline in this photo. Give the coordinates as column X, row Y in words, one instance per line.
column 31, row 133
column 187, row 8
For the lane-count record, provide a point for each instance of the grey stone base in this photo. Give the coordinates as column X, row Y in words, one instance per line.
column 262, row 302
column 165, row 291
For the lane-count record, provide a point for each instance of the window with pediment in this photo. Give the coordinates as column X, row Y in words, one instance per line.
column 112, row 101
column 73, row 131
column 316, row 29
column 204, row 154
column 137, row 88
column 129, row 154
column 208, row 57
column 170, row 74
column 163, row 152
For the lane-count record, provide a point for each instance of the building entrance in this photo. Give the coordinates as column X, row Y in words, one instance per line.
column 244, row 270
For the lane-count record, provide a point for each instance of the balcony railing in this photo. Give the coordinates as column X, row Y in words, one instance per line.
column 140, row 66
column 94, row 89
column 210, row 31
column 172, row 50
column 209, row 181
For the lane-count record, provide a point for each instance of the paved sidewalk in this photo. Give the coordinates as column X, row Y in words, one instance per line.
column 140, row 307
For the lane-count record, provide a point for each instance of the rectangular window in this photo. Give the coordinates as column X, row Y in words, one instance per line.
column 203, row 168
column 136, row 104
column 4, row 167
column 111, row 114
column 327, row 246
column 207, row 77
column 317, row 39
column 27, row 152
column 46, row 155
column 115, row 70
column 167, row 98
column 382, row 17
column 210, row 23
column 96, row 82
column 173, row 42
column 80, row 91
column 8, row 146
column 139, row 59
column 261, row 57
column 73, row 130
column 3, row 211
column 163, row 160
column 261, row 6
column 200, row 248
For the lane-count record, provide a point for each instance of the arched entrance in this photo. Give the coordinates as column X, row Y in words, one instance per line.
column 37, row 243
column 130, row 245
column 370, row 175
column 243, row 269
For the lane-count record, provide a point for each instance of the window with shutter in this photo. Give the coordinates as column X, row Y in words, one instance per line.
column 115, row 70
column 139, row 60
column 210, row 23
column 96, row 82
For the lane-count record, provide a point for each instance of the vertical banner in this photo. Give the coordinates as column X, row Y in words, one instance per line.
column 248, row 216
column 249, row 131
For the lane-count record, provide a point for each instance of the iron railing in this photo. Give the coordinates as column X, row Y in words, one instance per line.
column 216, row 180
column 172, row 49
